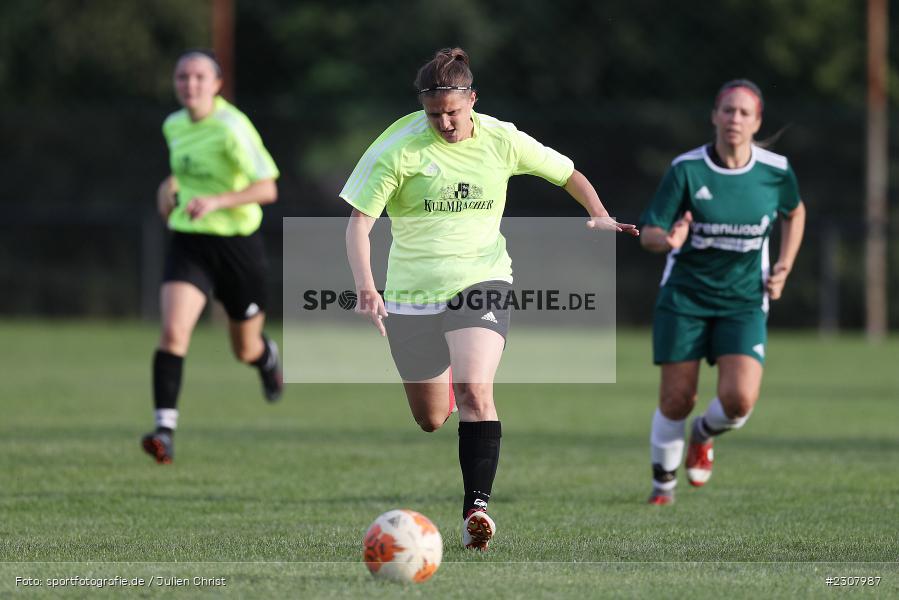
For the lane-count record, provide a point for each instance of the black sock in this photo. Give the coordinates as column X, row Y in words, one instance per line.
column 167, row 369
column 661, row 476
column 702, row 433
column 478, row 457
column 261, row 363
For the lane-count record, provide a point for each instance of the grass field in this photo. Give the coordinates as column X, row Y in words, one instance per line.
column 276, row 498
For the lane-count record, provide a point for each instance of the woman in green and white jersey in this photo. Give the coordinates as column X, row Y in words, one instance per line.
column 221, row 174
column 441, row 174
column 712, row 215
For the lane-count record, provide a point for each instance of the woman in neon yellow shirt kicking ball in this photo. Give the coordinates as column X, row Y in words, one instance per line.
column 441, row 174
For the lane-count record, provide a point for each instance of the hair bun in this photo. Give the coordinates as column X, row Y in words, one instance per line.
column 452, row 54
column 443, row 70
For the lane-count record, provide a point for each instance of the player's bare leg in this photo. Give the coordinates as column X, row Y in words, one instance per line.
column 475, row 353
column 246, row 338
column 739, row 382
column 252, row 347
column 181, row 304
column 429, row 401
column 677, row 397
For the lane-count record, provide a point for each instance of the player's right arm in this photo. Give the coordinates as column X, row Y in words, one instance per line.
column 661, row 228
column 659, row 240
column 358, row 250
column 167, row 197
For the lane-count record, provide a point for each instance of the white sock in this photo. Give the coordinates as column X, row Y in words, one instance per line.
column 666, row 445
column 715, row 419
column 167, row 417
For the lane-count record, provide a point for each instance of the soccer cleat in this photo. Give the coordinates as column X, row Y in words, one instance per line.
column 159, row 445
column 699, row 463
column 661, row 497
column 477, row 529
column 272, row 376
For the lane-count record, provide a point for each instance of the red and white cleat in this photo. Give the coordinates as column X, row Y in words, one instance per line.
column 699, row 463
column 477, row 529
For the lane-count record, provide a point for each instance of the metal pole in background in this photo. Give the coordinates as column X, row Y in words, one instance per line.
column 223, row 43
column 876, row 175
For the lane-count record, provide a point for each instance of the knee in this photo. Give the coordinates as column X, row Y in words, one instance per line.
column 429, row 423
column 677, row 403
column 737, row 404
column 477, row 398
column 174, row 339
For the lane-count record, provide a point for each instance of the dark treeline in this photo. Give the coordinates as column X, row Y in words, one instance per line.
column 620, row 86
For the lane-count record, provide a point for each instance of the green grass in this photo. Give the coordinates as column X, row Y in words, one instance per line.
column 276, row 498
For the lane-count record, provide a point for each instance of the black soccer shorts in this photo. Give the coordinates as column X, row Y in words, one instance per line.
column 230, row 268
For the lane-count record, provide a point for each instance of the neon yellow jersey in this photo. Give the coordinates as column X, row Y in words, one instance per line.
column 220, row 153
column 446, row 201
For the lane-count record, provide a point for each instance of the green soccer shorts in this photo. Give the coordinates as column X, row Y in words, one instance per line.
column 677, row 337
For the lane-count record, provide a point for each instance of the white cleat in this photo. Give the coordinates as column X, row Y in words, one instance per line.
column 477, row 530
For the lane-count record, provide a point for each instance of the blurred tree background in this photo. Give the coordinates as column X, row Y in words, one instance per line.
column 621, row 86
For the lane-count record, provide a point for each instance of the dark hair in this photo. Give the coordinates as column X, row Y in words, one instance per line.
column 201, row 53
column 449, row 70
column 741, row 83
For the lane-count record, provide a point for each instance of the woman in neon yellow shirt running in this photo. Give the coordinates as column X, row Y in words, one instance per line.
column 441, row 174
column 221, row 174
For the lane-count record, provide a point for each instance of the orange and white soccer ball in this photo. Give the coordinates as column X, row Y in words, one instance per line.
column 402, row 545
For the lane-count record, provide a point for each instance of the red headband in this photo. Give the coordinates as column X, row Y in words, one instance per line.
column 728, row 91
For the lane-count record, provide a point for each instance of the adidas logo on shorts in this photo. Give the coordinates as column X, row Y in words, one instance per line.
column 489, row 317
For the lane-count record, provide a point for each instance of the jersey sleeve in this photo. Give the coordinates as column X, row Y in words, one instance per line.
column 668, row 201
column 788, row 194
column 533, row 158
column 244, row 147
column 373, row 182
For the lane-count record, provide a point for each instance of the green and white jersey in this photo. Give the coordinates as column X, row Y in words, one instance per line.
column 723, row 264
column 445, row 202
column 217, row 154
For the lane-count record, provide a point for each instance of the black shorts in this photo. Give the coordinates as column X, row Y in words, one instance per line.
column 230, row 268
column 418, row 343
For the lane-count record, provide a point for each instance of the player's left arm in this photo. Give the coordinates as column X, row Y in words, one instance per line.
column 791, row 229
column 264, row 191
column 244, row 148
column 580, row 188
